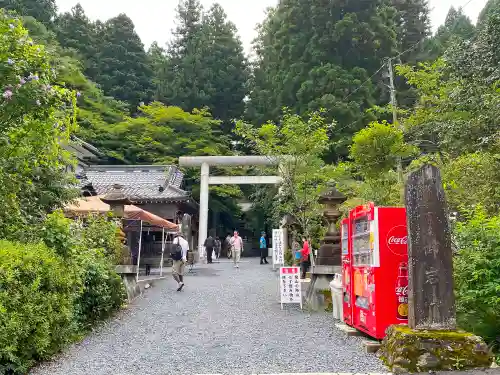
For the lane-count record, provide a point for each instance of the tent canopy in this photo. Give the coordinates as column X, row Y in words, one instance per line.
column 94, row 205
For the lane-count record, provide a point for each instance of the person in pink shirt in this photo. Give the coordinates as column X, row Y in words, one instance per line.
column 305, row 257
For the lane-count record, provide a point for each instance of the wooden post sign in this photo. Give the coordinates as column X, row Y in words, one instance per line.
column 278, row 247
column 431, row 300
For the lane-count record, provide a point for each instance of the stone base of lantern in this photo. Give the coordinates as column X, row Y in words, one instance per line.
column 318, row 296
column 406, row 350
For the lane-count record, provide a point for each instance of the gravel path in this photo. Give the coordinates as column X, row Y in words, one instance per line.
column 225, row 321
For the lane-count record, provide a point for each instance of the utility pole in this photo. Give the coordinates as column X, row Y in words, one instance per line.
column 394, row 102
column 394, row 105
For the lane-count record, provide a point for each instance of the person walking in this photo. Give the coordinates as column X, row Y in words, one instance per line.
column 179, row 252
column 236, row 248
column 227, row 246
column 263, row 248
column 218, row 247
column 305, row 257
column 209, row 248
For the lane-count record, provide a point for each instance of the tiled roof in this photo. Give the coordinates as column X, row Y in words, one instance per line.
column 138, row 182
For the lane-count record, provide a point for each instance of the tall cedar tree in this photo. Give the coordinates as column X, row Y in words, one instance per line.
column 413, row 29
column 185, row 73
column 491, row 7
column 206, row 66
column 74, row 30
column 456, row 26
column 122, row 64
column 413, row 26
column 224, row 58
column 158, row 62
column 43, row 10
column 314, row 54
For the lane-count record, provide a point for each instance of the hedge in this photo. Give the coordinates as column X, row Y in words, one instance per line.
column 37, row 291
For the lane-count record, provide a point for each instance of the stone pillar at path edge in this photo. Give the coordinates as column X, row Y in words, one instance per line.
column 431, row 341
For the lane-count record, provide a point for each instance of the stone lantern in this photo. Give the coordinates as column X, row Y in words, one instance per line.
column 116, row 200
column 330, row 253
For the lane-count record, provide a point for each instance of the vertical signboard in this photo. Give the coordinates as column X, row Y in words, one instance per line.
column 290, row 286
column 278, row 250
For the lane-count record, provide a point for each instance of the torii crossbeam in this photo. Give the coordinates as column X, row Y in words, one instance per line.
column 205, row 162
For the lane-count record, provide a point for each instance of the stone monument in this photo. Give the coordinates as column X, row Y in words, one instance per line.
column 431, row 341
column 330, row 253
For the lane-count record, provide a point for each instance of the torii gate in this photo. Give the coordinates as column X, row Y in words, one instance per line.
column 224, row 161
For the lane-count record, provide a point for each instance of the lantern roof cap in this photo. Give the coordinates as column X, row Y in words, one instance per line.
column 331, row 194
column 116, row 196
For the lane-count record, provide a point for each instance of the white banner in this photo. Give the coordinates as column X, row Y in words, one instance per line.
column 290, row 285
column 278, row 250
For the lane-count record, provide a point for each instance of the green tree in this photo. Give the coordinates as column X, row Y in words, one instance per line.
column 457, row 26
column 158, row 61
column 317, row 54
column 304, row 173
column 75, row 31
column 185, row 72
column 491, row 7
column 206, row 66
column 123, row 70
column 36, row 118
column 413, row 26
column 377, row 148
column 43, row 10
column 226, row 63
column 161, row 134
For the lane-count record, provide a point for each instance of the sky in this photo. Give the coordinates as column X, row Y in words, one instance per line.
column 154, row 19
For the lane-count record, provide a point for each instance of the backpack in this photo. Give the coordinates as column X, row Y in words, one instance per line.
column 176, row 250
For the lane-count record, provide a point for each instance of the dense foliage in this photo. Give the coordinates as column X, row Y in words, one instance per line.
column 204, row 65
column 297, row 147
column 477, row 271
column 313, row 56
column 37, row 117
column 36, row 305
column 52, row 293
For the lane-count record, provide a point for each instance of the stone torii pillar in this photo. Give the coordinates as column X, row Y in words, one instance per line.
column 205, row 162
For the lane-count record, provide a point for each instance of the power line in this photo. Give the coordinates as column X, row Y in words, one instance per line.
column 365, row 82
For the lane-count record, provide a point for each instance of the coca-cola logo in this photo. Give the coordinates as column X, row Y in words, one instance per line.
column 393, row 240
column 402, row 290
column 397, row 240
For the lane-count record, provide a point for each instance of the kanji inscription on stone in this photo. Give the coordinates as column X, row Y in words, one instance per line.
column 431, row 300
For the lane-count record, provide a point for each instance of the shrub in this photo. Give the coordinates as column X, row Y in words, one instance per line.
column 60, row 234
column 477, row 275
column 36, row 305
column 102, row 233
column 91, row 248
column 103, row 292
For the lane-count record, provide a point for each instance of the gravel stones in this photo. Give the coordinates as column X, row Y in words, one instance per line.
column 225, row 321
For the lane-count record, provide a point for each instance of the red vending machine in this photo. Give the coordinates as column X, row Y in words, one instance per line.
column 379, row 268
column 346, row 271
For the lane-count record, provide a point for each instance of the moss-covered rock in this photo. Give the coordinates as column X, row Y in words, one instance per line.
column 407, row 350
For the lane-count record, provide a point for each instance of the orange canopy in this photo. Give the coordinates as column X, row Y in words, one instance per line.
column 90, row 205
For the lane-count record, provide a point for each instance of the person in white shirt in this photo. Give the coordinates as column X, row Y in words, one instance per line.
column 179, row 252
column 236, row 248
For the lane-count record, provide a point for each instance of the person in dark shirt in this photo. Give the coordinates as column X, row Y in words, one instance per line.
column 209, row 248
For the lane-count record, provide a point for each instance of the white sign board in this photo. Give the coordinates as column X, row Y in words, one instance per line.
column 278, row 250
column 290, row 285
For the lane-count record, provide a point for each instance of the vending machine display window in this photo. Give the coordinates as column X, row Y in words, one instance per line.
column 345, row 240
column 361, row 247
